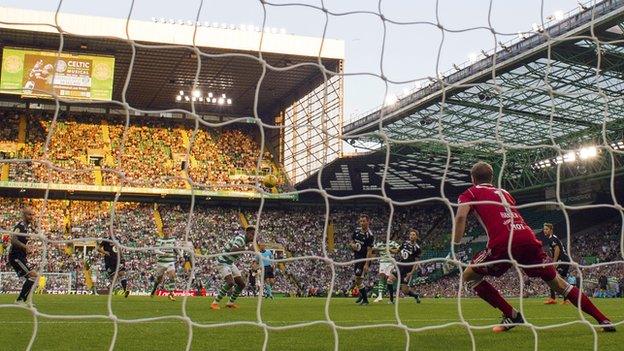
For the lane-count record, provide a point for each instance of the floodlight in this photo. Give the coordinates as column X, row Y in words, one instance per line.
column 390, row 100
column 473, row 57
column 588, row 152
column 569, row 157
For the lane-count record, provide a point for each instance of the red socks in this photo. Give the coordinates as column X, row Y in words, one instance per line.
column 488, row 293
column 586, row 305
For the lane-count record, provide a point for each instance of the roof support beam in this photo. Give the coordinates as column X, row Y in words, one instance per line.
column 585, row 56
column 509, row 111
column 609, row 37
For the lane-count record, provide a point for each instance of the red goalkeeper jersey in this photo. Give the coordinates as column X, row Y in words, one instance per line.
column 495, row 218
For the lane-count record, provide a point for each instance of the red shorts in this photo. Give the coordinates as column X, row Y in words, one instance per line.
column 528, row 254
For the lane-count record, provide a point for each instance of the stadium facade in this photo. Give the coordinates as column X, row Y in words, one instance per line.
column 272, row 76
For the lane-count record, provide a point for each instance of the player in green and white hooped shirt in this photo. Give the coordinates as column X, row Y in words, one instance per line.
column 229, row 271
column 166, row 260
column 385, row 252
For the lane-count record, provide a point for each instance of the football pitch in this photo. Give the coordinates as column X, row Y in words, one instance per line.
column 91, row 333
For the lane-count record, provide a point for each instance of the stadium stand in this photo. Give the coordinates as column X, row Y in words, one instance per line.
column 88, row 148
column 297, row 230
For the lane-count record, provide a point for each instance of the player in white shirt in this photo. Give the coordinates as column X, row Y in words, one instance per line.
column 166, row 260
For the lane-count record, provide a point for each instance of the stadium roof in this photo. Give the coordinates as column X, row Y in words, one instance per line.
column 166, row 63
column 557, row 91
column 411, row 172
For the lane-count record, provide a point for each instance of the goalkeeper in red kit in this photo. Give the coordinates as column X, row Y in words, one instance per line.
column 502, row 222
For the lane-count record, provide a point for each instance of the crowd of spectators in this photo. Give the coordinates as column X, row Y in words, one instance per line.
column 8, row 118
column 149, row 153
column 295, row 232
column 587, row 250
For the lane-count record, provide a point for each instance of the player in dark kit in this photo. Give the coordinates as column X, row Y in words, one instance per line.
column 19, row 252
column 362, row 242
column 111, row 259
column 251, row 279
column 502, row 222
column 409, row 252
column 559, row 254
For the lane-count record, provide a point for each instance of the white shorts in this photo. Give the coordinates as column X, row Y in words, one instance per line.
column 165, row 268
column 386, row 268
column 228, row 269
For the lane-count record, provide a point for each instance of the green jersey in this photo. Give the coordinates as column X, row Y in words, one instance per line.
column 165, row 255
column 380, row 247
column 236, row 242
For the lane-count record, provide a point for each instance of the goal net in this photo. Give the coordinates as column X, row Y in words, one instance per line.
column 48, row 283
column 94, row 146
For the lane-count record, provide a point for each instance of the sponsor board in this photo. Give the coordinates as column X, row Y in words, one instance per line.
column 36, row 73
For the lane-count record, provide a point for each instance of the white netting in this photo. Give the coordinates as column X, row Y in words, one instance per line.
column 440, row 84
column 52, row 283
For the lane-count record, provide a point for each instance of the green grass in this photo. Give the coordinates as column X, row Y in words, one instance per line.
column 172, row 334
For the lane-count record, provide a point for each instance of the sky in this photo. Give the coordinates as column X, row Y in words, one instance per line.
column 411, row 50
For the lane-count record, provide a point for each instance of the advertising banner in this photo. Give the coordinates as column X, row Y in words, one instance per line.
column 179, row 293
column 35, row 73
